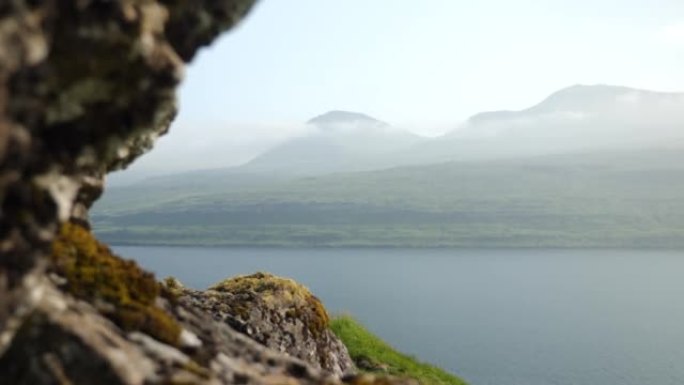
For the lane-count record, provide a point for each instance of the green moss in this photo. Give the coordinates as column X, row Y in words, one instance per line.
column 371, row 354
column 283, row 292
column 95, row 274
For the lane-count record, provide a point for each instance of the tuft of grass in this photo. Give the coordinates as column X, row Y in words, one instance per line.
column 371, row 354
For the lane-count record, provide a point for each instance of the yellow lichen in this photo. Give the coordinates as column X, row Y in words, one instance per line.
column 281, row 292
column 93, row 273
column 173, row 286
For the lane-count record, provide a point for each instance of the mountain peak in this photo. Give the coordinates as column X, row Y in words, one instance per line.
column 577, row 99
column 344, row 117
column 594, row 88
column 583, row 96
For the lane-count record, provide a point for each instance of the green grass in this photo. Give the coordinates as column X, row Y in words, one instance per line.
column 371, row 354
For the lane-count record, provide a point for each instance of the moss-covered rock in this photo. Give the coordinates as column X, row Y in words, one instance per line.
column 277, row 312
column 119, row 288
column 85, row 88
column 294, row 299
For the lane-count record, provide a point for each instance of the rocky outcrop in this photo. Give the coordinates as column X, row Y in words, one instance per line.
column 86, row 86
column 278, row 313
column 101, row 319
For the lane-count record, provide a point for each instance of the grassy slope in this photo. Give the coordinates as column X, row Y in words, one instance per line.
column 631, row 199
column 364, row 346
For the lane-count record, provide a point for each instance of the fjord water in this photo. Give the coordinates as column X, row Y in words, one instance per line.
column 515, row 317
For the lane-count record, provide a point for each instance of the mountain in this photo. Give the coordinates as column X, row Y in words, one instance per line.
column 613, row 116
column 332, row 119
column 338, row 141
column 577, row 118
column 578, row 99
column 595, row 199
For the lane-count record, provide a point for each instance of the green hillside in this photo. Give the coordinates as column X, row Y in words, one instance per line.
column 617, row 199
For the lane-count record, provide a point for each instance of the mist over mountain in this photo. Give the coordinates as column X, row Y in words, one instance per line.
column 337, row 119
column 332, row 135
column 338, row 141
column 590, row 111
column 574, row 119
column 585, row 161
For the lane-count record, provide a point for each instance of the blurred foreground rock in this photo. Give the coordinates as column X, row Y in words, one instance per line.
column 278, row 313
column 86, row 86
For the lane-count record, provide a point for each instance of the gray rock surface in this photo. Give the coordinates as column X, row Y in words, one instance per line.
column 278, row 313
column 67, row 341
column 86, row 86
column 96, row 318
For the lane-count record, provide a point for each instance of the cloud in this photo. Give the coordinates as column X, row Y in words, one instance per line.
column 672, row 34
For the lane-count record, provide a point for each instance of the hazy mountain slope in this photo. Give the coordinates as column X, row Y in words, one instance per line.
column 339, row 141
column 588, row 112
column 135, row 196
column 575, row 119
column 612, row 131
column 578, row 118
column 605, row 199
column 331, row 120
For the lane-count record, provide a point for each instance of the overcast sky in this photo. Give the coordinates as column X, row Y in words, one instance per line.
column 421, row 65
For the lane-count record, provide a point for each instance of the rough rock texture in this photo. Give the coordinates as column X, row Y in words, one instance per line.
column 66, row 341
column 277, row 312
column 86, row 86
column 101, row 319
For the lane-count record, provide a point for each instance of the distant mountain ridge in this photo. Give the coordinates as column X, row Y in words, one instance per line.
column 588, row 99
column 574, row 98
column 575, row 119
column 588, row 166
column 340, row 141
column 344, row 117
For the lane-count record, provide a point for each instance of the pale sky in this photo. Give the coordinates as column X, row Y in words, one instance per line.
column 422, row 65
column 429, row 64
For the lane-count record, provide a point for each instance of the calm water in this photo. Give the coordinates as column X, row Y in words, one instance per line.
column 495, row 317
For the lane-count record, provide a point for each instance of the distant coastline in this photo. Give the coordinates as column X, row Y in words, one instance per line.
column 205, row 243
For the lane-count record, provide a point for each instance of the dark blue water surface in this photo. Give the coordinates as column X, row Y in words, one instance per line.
column 494, row 317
